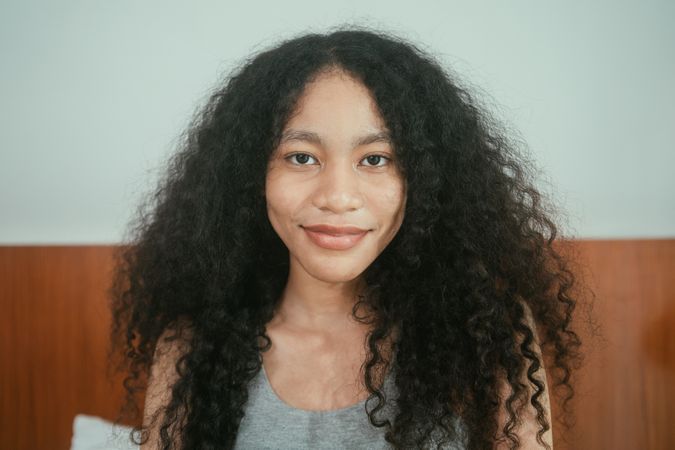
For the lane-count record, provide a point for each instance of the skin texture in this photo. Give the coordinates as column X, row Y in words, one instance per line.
column 335, row 183
column 465, row 288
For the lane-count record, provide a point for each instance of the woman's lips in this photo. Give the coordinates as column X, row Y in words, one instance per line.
column 335, row 241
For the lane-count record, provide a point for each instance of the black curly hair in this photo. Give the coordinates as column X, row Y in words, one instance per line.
column 472, row 258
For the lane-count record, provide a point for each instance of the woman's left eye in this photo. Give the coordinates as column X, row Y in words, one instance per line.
column 375, row 159
column 300, row 158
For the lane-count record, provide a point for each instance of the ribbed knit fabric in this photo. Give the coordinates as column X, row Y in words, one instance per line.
column 270, row 423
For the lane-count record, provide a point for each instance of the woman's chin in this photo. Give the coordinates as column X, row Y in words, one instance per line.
column 335, row 274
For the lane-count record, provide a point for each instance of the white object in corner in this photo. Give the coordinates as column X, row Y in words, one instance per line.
column 95, row 433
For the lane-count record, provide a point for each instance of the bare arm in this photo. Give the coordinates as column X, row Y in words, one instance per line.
column 527, row 431
column 163, row 375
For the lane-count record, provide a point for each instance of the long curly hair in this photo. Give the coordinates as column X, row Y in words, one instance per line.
column 474, row 253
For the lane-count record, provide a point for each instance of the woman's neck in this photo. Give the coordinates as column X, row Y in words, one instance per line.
column 312, row 304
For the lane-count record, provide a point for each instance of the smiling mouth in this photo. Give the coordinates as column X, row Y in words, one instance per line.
column 335, row 230
column 333, row 241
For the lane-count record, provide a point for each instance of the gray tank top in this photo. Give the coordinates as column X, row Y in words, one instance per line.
column 270, row 423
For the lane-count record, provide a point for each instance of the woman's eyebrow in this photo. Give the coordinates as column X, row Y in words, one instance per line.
column 301, row 135
column 314, row 138
column 379, row 136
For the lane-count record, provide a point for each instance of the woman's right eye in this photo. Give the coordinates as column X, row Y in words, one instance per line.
column 299, row 159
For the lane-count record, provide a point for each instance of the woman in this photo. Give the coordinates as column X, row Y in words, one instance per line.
column 346, row 253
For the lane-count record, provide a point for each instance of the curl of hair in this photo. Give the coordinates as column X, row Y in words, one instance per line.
column 474, row 248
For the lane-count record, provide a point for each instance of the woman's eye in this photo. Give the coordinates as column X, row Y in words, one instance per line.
column 303, row 159
column 376, row 159
column 300, row 158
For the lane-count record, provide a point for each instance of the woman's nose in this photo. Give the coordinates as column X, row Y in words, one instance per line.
column 339, row 188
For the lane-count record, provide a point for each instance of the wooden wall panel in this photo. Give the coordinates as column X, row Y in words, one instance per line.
column 53, row 341
column 626, row 390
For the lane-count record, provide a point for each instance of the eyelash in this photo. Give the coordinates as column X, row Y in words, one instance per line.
column 386, row 158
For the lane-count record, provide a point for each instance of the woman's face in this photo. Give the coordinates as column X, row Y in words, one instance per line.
column 335, row 166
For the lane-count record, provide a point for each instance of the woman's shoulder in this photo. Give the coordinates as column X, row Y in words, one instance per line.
column 172, row 344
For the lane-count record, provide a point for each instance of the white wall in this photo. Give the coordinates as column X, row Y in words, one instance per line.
column 94, row 94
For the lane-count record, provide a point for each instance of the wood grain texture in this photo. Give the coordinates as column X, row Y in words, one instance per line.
column 54, row 330
column 626, row 390
column 54, row 343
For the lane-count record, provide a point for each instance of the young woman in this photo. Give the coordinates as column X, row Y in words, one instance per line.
column 345, row 254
